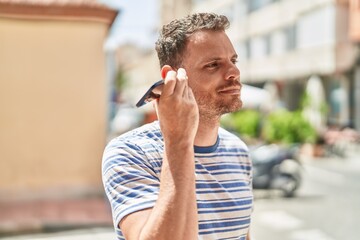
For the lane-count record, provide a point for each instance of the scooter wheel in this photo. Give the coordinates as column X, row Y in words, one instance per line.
column 289, row 186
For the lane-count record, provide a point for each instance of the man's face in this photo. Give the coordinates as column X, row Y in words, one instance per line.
column 210, row 62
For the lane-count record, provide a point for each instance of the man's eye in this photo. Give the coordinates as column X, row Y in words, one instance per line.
column 212, row 65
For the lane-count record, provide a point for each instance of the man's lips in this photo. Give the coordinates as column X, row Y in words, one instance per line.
column 231, row 91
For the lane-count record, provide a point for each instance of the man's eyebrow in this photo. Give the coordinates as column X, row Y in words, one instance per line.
column 210, row 59
column 213, row 59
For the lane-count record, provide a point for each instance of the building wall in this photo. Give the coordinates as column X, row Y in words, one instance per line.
column 354, row 20
column 274, row 39
column 52, row 107
column 170, row 9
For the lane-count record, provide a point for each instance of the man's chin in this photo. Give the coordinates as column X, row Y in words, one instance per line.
column 232, row 107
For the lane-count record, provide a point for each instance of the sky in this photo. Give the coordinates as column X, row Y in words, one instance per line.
column 136, row 23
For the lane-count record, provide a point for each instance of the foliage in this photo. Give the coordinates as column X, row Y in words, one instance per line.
column 281, row 126
column 244, row 122
column 288, row 127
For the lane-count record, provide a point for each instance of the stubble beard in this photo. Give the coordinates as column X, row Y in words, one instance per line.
column 211, row 109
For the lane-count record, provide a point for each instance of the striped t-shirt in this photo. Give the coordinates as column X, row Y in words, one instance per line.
column 131, row 172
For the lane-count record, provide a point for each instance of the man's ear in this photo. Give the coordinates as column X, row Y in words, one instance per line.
column 164, row 70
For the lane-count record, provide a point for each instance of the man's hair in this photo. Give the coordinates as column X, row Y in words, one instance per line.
column 173, row 37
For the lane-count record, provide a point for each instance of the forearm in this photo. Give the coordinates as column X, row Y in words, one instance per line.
column 174, row 215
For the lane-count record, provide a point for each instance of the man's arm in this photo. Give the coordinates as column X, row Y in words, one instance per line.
column 174, row 215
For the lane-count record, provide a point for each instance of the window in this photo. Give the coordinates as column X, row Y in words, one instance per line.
column 258, row 47
column 254, row 5
column 241, row 9
column 290, row 33
column 248, row 49
column 228, row 11
column 198, row 1
column 316, row 28
column 241, row 50
column 267, row 39
column 278, row 43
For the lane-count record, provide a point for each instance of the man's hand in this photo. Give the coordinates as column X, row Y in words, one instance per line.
column 177, row 109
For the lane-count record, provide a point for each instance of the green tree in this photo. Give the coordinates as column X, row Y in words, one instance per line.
column 283, row 126
column 244, row 122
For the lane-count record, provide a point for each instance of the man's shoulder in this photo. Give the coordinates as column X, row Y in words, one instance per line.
column 140, row 136
column 228, row 135
column 149, row 130
column 231, row 138
column 141, row 146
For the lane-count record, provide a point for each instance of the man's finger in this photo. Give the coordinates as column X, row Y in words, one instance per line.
column 169, row 83
column 182, row 81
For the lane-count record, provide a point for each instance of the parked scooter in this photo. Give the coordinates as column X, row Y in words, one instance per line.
column 276, row 167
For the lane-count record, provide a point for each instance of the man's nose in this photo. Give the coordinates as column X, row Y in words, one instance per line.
column 233, row 72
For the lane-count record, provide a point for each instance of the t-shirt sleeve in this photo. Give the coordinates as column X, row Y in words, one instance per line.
column 130, row 182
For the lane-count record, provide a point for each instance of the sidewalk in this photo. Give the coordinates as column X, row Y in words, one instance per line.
column 53, row 215
column 350, row 163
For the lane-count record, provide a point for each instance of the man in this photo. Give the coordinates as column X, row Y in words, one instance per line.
column 184, row 177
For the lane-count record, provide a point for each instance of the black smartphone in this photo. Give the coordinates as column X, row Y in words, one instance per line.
column 153, row 93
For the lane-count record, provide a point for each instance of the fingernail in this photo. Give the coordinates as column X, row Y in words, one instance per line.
column 182, row 73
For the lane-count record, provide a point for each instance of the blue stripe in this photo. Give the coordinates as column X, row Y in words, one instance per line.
column 226, row 166
column 225, row 204
column 223, row 191
column 224, row 219
column 218, row 185
column 224, row 224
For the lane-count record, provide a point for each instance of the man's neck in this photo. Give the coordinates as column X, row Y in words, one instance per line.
column 207, row 132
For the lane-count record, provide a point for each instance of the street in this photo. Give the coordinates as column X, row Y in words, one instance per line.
column 325, row 208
